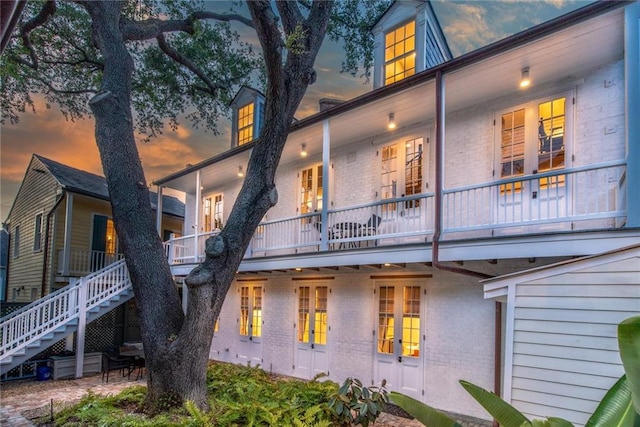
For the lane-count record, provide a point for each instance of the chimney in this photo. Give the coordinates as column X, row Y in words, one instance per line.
column 327, row 103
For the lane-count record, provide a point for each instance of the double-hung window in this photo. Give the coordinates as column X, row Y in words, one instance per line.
column 400, row 53
column 37, row 236
column 245, row 124
column 16, row 241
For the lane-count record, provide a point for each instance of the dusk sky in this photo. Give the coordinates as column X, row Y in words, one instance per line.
column 467, row 25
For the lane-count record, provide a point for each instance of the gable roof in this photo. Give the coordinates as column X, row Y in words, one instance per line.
column 82, row 182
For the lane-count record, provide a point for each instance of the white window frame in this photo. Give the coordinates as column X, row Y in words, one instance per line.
column 37, row 232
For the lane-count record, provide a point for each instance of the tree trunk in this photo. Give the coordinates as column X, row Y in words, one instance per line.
column 177, row 346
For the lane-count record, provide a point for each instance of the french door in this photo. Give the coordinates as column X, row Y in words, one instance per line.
column 250, row 325
column 400, row 336
column 312, row 331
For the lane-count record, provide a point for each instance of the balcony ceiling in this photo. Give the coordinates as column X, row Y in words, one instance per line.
column 560, row 59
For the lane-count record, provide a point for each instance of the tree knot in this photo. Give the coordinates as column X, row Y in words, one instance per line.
column 214, row 246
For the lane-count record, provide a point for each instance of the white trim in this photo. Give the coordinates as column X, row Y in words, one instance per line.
column 508, row 343
column 68, row 218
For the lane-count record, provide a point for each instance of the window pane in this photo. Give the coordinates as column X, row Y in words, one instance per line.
column 386, row 320
column 256, row 318
column 320, row 323
column 551, row 151
column 37, row 238
column 244, row 311
column 512, row 144
column 303, row 314
column 111, row 237
column 411, row 321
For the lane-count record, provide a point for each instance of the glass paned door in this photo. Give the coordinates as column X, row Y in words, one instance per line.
column 250, row 324
column 312, row 331
column 399, row 358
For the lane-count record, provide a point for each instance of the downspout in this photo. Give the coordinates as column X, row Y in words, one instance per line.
column 46, row 245
column 435, row 261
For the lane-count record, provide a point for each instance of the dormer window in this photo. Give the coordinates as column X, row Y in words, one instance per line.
column 400, row 53
column 248, row 115
column 245, row 124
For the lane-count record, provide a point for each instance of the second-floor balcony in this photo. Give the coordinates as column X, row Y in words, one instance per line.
column 584, row 198
column 84, row 261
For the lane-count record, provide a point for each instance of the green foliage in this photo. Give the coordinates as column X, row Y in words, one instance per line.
column 615, row 409
column 238, row 396
column 355, row 404
column 424, row 413
column 507, row 415
column 629, row 343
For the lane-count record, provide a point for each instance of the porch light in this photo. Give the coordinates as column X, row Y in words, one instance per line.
column 303, row 150
column 386, row 264
column 240, row 172
column 525, row 80
column 298, row 269
column 392, row 121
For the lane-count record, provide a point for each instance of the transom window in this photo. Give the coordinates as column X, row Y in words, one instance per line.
column 245, row 124
column 400, row 53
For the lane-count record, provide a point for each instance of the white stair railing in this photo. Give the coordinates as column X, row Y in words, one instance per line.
column 44, row 316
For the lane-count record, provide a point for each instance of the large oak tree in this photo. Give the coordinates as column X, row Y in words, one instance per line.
column 141, row 65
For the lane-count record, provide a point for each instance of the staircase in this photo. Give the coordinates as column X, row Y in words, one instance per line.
column 39, row 325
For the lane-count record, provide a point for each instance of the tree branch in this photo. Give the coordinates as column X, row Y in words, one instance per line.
column 266, row 26
column 65, row 92
column 290, row 14
column 183, row 60
column 224, row 17
column 47, row 11
column 153, row 28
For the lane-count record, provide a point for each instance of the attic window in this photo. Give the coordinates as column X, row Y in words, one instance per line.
column 400, row 53
column 245, row 124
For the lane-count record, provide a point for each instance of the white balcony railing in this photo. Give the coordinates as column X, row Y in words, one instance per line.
column 560, row 197
column 83, row 262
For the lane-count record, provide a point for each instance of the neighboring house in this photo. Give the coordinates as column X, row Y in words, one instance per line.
column 519, row 155
column 61, row 228
column 4, row 260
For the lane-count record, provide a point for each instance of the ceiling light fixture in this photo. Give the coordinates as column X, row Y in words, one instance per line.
column 392, row 121
column 303, row 150
column 525, row 81
column 240, row 172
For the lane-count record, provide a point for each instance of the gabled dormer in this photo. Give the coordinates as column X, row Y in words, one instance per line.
column 248, row 116
column 408, row 39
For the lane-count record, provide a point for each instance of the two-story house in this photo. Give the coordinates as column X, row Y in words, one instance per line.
column 394, row 205
column 60, row 228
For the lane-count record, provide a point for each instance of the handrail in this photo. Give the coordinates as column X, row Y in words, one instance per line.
column 44, row 316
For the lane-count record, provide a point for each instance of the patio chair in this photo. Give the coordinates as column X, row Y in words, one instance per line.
column 125, row 365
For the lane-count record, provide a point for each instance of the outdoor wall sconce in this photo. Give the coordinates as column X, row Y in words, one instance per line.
column 240, row 172
column 525, row 81
column 392, row 121
column 303, row 150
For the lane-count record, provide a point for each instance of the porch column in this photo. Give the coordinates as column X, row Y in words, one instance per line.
column 66, row 253
column 196, row 222
column 326, row 155
column 82, row 326
column 159, row 211
column 632, row 111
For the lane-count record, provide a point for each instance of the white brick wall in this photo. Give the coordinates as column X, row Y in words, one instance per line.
column 459, row 333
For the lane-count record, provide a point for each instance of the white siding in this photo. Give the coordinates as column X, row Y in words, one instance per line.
column 565, row 350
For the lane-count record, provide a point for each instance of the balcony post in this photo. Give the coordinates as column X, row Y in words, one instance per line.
column 197, row 215
column 632, row 111
column 326, row 155
column 66, row 253
column 82, row 325
column 159, row 211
